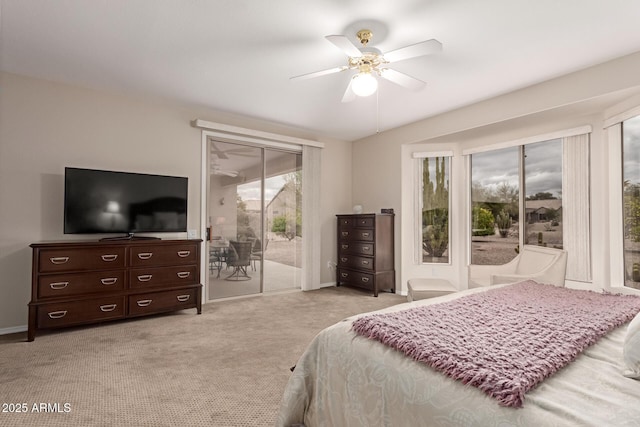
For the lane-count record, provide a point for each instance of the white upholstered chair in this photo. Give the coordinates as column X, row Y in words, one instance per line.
column 544, row 265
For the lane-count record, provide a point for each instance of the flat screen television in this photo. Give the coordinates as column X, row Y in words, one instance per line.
column 102, row 201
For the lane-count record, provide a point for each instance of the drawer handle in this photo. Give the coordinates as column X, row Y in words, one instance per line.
column 345, row 246
column 145, row 277
column 108, row 307
column 109, row 280
column 363, row 221
column 366, row 248
column 183, row 298
column 58, row 285
column 144, row 302
column 345, row 275
column 184, row 254
column 183, row 274
column 145, row 255
column 345, row 233
column 59, row 259
column 365, row 262
column 57, row 314
column 109, row 258
column 343, row 259
column 365, row 234
column 365, row 279
column 345, row 221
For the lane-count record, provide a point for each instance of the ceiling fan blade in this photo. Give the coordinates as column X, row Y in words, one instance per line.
column 427, row 47
column 401, row 79
column 217, row 152
column 345, row 45
column 319, row 73
column 349, row 94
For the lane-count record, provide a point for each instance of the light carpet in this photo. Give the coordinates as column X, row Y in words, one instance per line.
column 225, row 367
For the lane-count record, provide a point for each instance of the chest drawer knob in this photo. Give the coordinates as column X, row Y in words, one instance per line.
column 144, row 302
column 183, row 298
column 365, row 262
column 365, row 279
column 366, row 248
column 183, row 274
column 108, row 307
column 145, row 277
column 57, row 314
column 344, row 275
column 109, row 281
column 59, row 259
column 345, row 246
column 366, row 234
column 345, row 233
column 109, row 258
column 344, row 259
column 184, row 254
column 145, row 255
column 58, row 285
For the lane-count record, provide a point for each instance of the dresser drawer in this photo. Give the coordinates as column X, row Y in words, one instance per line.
column 356, row 278
column 61, row 285
column 363, row 234
column 155, row 255
column 353, row 261
column 366, row 222
column 357, row 248
column 157, row 302
column 163, row 276
column 83, row 311
column 76, row 259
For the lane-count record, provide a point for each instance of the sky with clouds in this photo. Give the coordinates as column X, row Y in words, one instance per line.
column 543, row 168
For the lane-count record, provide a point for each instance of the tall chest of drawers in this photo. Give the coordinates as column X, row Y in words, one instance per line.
column 365, row 252
column 75, row 283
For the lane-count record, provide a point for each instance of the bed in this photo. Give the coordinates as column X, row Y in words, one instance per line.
column 347, row 379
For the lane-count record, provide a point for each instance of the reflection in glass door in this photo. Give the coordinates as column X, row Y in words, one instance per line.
column 254, row 220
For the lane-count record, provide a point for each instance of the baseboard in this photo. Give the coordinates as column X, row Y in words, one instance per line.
column 327, row 284
column 13, row 330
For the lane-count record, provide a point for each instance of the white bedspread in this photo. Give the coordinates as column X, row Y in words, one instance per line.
column 343, row 380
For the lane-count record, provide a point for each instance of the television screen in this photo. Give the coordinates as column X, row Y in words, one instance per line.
column 99, row 201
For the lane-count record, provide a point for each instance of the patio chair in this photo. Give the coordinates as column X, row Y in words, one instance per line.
column 256, row 251
column 239, row 259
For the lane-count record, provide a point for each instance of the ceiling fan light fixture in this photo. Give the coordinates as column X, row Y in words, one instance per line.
column 364, row 84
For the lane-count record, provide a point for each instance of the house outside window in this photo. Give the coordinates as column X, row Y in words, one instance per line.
column 543, row 193
column 631, row 200
column 434, row 212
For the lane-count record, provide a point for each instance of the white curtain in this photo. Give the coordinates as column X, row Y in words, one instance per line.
column 576, row 218
column 311, row 159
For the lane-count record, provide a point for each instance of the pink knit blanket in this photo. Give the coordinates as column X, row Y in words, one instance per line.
column 506, row 340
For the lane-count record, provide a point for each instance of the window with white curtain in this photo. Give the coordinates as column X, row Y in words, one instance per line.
column 532, row 192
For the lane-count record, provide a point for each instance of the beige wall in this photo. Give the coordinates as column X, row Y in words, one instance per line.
column 580, row 98
column 46, row 126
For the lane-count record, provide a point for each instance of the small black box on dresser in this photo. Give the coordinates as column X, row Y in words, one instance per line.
column 366, row 251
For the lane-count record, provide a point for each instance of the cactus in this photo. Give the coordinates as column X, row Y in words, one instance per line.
column 503, row 221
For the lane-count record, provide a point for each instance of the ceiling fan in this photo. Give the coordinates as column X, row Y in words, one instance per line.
column 369, row 62
column 217, row 170
column 240, row 151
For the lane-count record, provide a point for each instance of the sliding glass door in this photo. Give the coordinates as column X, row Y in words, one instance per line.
column 254, row 220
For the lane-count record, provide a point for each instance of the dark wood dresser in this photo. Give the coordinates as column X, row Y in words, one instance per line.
column 76, row 283
column 365, row 252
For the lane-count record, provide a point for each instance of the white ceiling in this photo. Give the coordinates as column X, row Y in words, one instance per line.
column 237, row 56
